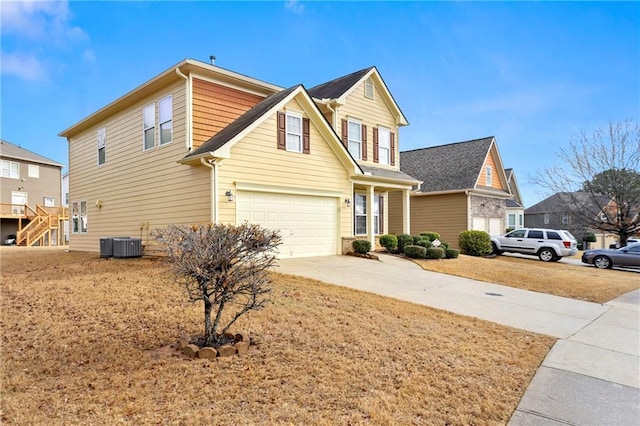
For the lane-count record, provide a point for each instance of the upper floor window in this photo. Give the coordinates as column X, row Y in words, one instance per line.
column 384, row 145
column 565, row 219
column 102, row 145
column 489, row 176
column 149, row 126
column 355, row 139
column 368, row 88
column 294, row 132
column 33, row 171
column 10, row 169
column 165, row 107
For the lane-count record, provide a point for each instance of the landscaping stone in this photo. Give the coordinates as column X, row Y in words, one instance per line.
column 226, row 350
column 191, row 350
column 207, row 353
column 242, row 347
column 182, row 343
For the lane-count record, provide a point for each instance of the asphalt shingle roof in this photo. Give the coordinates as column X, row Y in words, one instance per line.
column 242, row 122
column 335, row 88
column 9, row 150
column 565, row 201
column 450, row 167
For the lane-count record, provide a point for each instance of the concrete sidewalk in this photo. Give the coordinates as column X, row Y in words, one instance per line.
column 590, row 376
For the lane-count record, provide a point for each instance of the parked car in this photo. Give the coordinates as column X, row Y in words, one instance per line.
column 629, row 241
column 628, row 256
column 10, row 240
column 550, row 245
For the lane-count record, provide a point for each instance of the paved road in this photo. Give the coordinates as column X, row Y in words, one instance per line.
column 591, row 375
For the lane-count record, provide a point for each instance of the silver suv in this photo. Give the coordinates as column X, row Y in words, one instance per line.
column 550, row 245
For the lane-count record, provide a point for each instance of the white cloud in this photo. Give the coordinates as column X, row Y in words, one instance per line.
column 294, row 6
column 35, row 32
column 27, row 67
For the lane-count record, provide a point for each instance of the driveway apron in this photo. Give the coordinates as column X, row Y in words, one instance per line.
column 590, row 376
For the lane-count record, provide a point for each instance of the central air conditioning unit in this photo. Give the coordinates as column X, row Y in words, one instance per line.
column 127, row 247
column 106, row 246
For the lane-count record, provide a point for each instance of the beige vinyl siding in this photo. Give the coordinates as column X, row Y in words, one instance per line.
column 48, row 184
column 372, row 113
column 139, row 190
column 256, row 160
column 394, row 209
column 446, row 214
column 215, row 107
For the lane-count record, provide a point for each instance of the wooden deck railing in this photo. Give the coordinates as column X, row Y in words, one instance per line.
column 43, row 221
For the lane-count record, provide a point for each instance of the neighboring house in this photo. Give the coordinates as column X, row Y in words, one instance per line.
column 464, row 188
column 65, row 203
column 556, row 212
column 201, row 144
column 515, row 207
column 30, row 200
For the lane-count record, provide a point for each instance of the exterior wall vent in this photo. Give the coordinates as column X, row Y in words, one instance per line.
column 127, row 247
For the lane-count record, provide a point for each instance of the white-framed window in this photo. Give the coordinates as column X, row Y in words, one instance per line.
column 360, row 214
column 384, row 145
column 102, row 145
column 79, row 217
column 520, row 220
column 66, row 198
column 165, row 117
column 49, row 202
column 355, row 139
column 511, row 219
column 149, row 126
column 489, row 174
column 33, row 171
column 294, row 132
column 18, row 202
column 546, row 218
column 10, row 169
column 377, row 217
column 368, row 88
column 565, row 219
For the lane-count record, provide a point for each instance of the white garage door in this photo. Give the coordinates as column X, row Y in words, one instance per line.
column 308, row 225
column 490, row 225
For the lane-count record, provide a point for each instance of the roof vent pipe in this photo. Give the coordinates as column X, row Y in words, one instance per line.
column 213, row 59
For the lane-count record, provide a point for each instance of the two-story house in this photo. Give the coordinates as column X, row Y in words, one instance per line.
column 199, row 143
column 30, row 200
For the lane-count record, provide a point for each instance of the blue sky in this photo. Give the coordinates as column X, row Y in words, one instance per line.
column 532, row 74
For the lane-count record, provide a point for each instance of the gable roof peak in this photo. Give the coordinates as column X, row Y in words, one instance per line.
column 450, row 144
column 335, row 88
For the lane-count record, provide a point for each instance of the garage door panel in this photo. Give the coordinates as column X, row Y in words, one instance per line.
column 308, row 225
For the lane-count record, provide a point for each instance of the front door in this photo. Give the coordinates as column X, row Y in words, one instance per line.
column 18, row 202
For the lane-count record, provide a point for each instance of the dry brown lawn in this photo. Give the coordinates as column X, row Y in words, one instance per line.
column 82, row 341
column 583, row 283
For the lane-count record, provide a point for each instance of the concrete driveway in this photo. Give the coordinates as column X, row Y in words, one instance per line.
column 591, row 376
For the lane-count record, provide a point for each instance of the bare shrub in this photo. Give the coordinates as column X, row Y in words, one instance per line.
column 225, row 266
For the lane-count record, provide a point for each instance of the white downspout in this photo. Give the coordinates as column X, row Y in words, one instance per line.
column 188, row 130
column 214, row 187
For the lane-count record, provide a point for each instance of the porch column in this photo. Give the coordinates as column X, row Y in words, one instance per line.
column 370, row 218
column 406, row 211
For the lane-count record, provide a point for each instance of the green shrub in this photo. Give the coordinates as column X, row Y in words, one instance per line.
column 361, row 246
column 474, row 243
column 404, row 240
column 452, row 253
column 589, row 237
column 390, row 242
column 415, row 252
column 423, row 242
column 444, row 246
column 416, row 238
column 435, row 253
column 430, row 235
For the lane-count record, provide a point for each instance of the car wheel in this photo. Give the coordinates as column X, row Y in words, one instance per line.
column 547, row 255
column 602, row 262
column 494, row 248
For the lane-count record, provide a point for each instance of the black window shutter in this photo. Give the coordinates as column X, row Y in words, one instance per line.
column 282, row 130
column 306, row 148
column 381, row 211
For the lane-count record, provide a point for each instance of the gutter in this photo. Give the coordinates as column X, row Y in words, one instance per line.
column 189, row 127
column 211, row 163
